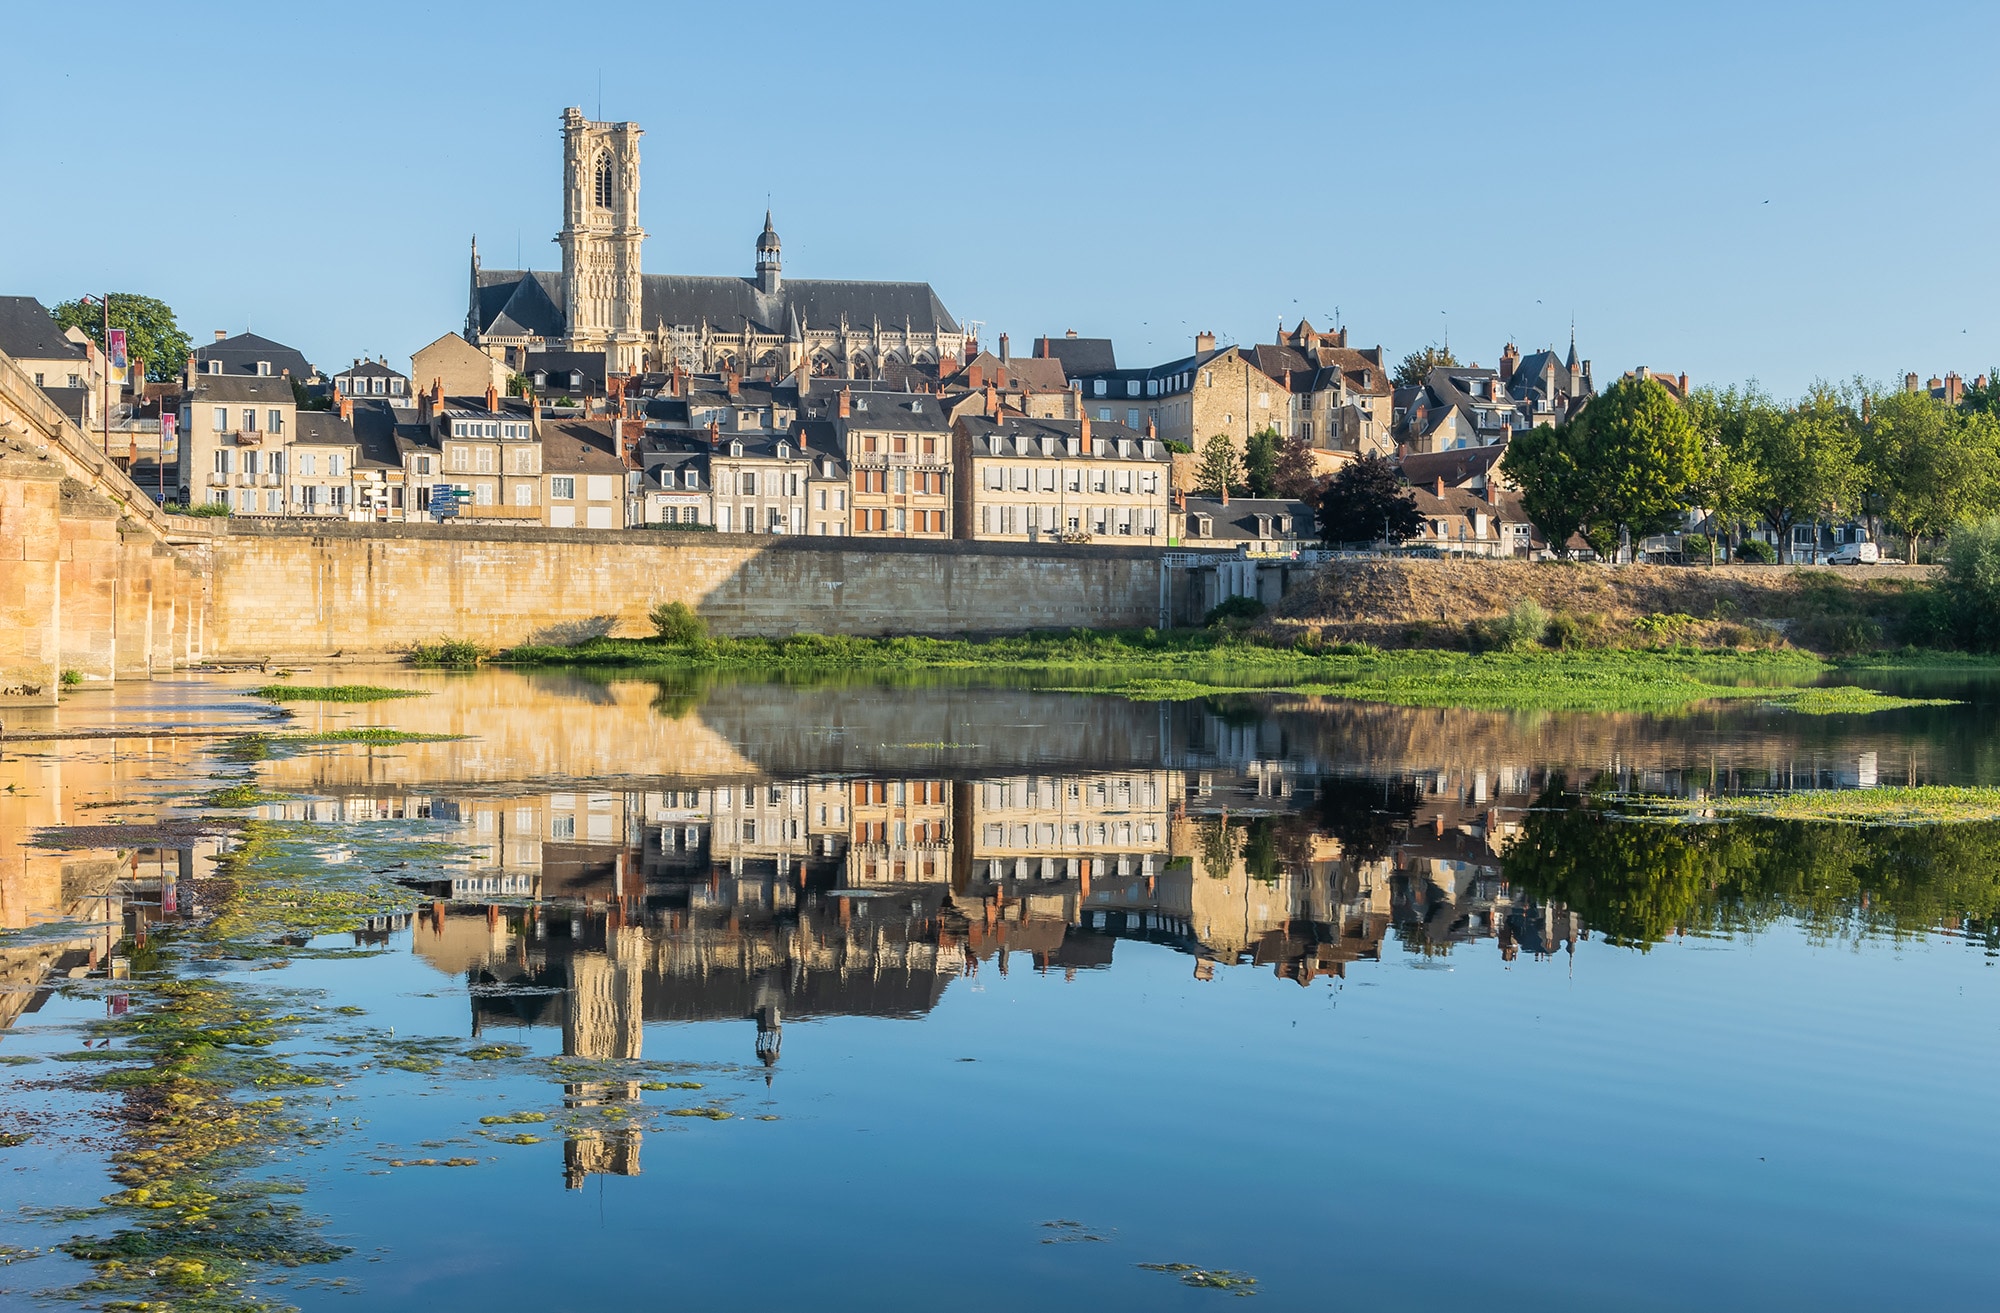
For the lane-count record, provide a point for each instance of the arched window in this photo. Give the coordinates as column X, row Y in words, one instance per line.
column 604, row 182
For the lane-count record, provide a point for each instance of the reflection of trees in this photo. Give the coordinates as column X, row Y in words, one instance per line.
column 1217, row 840
column 1367, row 817
column 1637, row 882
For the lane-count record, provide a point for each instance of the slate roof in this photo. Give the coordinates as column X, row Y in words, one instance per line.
column 323, row 428
column 27, row 332
column 371, row 369
column 240, row 387
column 73, row 402
column 240, row 354
column 892, row 412
column 374, row 424
column 1237, row 522
column 1079, row 355
column 990, row 437
column 560, row 364
column 513, row 302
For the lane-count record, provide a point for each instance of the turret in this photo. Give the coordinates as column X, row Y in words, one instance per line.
column 768, row 279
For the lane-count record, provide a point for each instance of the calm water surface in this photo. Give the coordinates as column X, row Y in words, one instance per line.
column 1008, row 993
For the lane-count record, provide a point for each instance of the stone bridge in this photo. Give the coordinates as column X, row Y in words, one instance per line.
column 94, row 577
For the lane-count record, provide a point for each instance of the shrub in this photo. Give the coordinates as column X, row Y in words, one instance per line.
column 1524, row 627
column 1243, row 609
column 205, row 509
column 447, row 652
column 1837, row 635
column 1969, row 591
column 1661, row 625
column 1755, row 551
column 677, row 623
column 71, row 678
column 1695, row 548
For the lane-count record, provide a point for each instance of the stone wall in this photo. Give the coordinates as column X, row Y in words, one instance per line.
column 294, row 591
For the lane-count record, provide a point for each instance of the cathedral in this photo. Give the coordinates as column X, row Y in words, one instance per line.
column 764, row 325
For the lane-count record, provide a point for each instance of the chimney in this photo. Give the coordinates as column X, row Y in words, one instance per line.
column 1152, row 431
column 1042, row 348
column 1069, row 333
column 221, row 333
column 1440, row 487
column 844, row 404
column 714, row 435
column 799, row 432
column 1935, row 383
column 437, row 395
column 190, row 372
column 975, row 377
column 1083, row 433
column 346, row 407
column 991, row 405
column 1910, row 381
column 1492, row 491
column 1225, row 494
column 735, row 384
column 1001, row 375
column 1509, row 358
column 535, row 416
column 1204, row 341
column 1954, row 388
column 1005, row 354
column 492, row 398
column 1684, row 383
column 424, row 408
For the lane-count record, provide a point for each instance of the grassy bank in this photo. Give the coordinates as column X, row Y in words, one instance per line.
column 1199, row 663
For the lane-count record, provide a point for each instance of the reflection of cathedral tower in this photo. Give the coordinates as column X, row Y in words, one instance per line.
column 600, row 238
column 603, row 1010
column 600, row 1153
column 770, row 1014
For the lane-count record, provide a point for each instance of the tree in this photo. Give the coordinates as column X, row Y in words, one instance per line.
column 1367, row 501
column 1418, row 364
column 1548, row 466
column 1643, row 459
column 1220, row 469
column 1260, row 462
column 1296, row 474
column 1792, row 465
column 1927, row 465
column 1721, row 417
column 1630, row 462
column 151, row 332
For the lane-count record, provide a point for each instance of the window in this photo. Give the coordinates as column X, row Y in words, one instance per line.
column 222, row 461
column 249, row 420
column 376, row 386
column 524, row 494
column 274, row 421
column 563, row 487
column 1132, row 387
column 334, row 464
column 423, row 464
column 221, row 417
column 308, row 464
column 250, row 462
column 749, row 483
column 215, row 366
column 1132, row 417
column 484, row 456
column 76, row 380
column 1098, row 388
column 263, row 369
column 481, row 495
column 602, row 193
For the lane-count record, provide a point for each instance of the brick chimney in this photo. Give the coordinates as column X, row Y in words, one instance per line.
column 990, row 406
column 975, row 377
column 844, row 404
column 1000, row 376
column 1083, row 433
column 437, row 395
column 424, row 408
column 1954, row 388
column 1440, row 487
column 492, row 398
column 1041, row 349
column 734, row 383
column 1005, row 354
column 1509, row 359
column 1934, row 383
column 1684, row 383
column 1910, row 381
column 714, row 435
column 1204, row 341
column 346, row 406
column 1152, row 430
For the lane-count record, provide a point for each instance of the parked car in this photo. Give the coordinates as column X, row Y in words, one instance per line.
column 1862, row 553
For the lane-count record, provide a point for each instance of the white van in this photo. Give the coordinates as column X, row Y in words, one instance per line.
column 1861, row 553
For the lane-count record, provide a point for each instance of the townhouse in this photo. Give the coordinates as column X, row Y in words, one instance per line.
column 898, row 451
column 1055, row 480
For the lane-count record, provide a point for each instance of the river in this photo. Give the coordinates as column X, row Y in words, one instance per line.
column 722, row 992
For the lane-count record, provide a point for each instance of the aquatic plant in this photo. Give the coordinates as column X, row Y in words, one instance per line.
column 333, row 693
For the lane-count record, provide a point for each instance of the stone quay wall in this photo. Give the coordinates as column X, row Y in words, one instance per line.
column 290, row 590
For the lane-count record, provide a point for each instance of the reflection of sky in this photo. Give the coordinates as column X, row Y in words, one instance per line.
column 1679, row 1128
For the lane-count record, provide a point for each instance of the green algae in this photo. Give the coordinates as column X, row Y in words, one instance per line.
column 670, row 1085
column 514, row 1119
column 333, row 693
column 1207, row 1278
column 274, row 746
column 713, row 1114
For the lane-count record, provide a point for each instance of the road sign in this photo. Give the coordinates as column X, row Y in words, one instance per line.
column 443, row 504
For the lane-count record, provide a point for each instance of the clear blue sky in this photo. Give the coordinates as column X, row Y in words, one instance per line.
column 1782, row 191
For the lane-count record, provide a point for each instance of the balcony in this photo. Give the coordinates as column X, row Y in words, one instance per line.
column 269, row 480
column 218, row 480
column 246, row 480
column 248, row 438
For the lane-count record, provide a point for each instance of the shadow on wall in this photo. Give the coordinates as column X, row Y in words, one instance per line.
column 569, row 632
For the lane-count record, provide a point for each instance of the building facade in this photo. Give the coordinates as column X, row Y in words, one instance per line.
column 1052, row 480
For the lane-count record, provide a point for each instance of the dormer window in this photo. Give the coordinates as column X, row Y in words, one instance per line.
column 736, row 449
column 692, row 478
column 916, row 407
column 263, row 369
column 861, row 403
column 1204, row 526
column 784, row 451
column 541, row 378
column 215, row 366
column 1284, row 523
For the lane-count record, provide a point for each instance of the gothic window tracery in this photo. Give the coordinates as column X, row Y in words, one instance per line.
column 603, row 192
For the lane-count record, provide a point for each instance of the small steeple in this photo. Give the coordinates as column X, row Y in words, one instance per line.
column 1571, row 362
column 768, row 277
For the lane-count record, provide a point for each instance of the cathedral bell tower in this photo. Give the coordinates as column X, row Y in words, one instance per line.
column 600, row 240
column 768, row 247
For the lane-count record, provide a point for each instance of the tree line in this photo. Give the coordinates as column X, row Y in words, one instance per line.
column 1637, row 459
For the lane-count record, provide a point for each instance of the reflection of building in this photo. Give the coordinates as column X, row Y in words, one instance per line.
column 901, row 832
column 600, row 1153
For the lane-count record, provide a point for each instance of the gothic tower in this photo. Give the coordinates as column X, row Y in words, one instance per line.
column 600, row 239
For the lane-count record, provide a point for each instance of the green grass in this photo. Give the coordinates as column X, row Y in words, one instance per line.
column 262, row 747
column 447, row 652
column 1928, row 804
column 333, row 693
column 1848, row 699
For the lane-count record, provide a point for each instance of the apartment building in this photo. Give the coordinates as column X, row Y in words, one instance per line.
column 234, row 433
column 584, row 475
column 373, row 378
column 898, row 451
column 1214, row 392
column 1337, row 399
column 759, row 482
column 1077, row 827
column 674, row 487
column 489, row 451
column 901, row 832
column 1056, row 480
